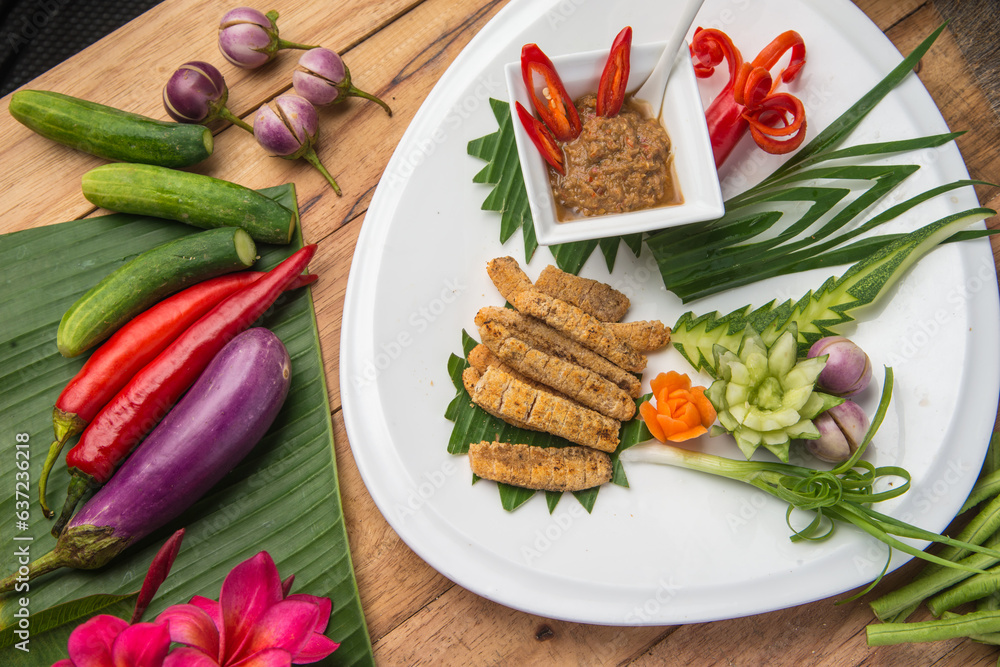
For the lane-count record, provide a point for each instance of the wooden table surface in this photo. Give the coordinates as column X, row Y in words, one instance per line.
column 398, row 49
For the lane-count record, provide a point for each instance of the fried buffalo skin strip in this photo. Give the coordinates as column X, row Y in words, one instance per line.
column 481, row 357
column 540, row 468
column 522, row 405
column 577, row 382
column 547, row 339
column 508, row 277
column 580, row 326
column 594, row 297
column 642, row 335
column 470, row 377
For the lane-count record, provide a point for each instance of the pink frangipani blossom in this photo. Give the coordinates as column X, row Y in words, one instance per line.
column 254, row 623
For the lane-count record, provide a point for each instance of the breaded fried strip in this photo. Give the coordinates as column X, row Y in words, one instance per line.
column 542, row 468
column 642, row 335
column 471, row 376
column 577, row 382
column 481, row 357
column 547, row 339
column 580, row 326
column 594, row 297
column 514, row 401
column 508, row 277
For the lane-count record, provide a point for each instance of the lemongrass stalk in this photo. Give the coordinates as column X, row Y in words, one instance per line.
column 952, row 627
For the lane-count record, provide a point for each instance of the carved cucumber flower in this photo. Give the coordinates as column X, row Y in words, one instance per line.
column 765, row 396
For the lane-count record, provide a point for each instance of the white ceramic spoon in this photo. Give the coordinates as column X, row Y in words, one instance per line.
column 651, row 92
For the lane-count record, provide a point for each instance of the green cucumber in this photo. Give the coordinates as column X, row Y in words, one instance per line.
column 194, row 199
column 110, row 133
column 818, row 313
column 149, row 277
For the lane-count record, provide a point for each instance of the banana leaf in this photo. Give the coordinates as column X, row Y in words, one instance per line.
column 283, row 498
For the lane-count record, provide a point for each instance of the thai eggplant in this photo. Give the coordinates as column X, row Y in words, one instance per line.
column 211, row 429
column 136, row 409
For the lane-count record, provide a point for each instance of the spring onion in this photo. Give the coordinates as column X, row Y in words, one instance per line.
column 843, row 494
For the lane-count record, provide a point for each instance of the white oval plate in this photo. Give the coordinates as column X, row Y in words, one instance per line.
column 678, row 546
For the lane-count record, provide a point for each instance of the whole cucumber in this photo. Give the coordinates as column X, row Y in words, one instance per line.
column 195, row 199
column 149, row 277
column 110, row 133
column 210, row 430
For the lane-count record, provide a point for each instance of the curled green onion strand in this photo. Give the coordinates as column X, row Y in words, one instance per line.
column 841, row 495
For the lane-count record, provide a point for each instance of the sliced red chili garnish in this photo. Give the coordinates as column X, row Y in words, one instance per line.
column 776, row 121
column 752, row 85
column 614, row 78
column 724, row 116
column 542, row 138
column 779, row 124
column 709, row 48
column 556, row 110
column 770, row 54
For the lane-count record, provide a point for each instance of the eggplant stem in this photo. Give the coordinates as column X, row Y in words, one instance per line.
column 78, row 486
column 313, row 159
column 226, row 114
column 285, row 44
column 53, row 560
column 357, row 92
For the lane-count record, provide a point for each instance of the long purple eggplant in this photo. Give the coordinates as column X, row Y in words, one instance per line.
column 211, row 429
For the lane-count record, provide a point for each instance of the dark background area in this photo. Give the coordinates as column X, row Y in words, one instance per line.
column 37, row 35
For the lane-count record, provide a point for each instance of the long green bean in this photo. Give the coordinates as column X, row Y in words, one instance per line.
column 974, row 588
column 982, row 623
column 908, row 597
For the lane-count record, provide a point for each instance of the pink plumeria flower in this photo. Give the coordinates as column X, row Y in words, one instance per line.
column 109, row 641
column 253, row 623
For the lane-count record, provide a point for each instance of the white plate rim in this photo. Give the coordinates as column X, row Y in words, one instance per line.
column 438, row 547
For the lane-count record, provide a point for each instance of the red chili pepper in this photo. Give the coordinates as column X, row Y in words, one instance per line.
column 749, row 101
column 724, row 117
column 542, row 137
column 136, row 409
column 614, row 78
column 123, row 355
column 557, row 110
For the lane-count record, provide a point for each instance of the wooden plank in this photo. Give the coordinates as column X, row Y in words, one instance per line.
column 393, row 581
column 461, row 628
column 98, row 74
column 886, row 14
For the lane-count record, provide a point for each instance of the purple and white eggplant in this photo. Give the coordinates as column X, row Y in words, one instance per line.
column 196, row 93
column 249, row 38
column 288, row 127
column 211, row 429
column 323, row 78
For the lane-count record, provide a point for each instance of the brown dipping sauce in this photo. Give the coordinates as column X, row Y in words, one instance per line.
column 616, row 165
